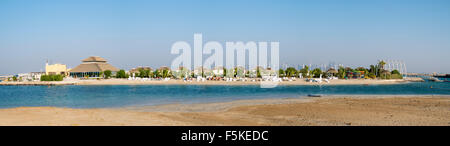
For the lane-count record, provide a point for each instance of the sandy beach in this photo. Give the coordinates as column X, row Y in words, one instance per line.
column 352, row 110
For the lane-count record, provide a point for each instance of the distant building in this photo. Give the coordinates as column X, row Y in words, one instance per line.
column 199, row 71
column 36, row 76
column 92, row 67
column 137, row 69
column 181, row 72
column 5, row 78
column 56, row 69
column 32, row 76
column 163, row 68
column 218, row 71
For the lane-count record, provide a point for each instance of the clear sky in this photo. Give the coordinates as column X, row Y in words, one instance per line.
column 132, row 33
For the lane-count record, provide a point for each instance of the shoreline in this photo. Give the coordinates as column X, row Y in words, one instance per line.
column 181, row 82
column 342, row 110
column 225, row 105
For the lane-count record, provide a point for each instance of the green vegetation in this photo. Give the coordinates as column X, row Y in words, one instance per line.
column 258, row 73
column 396, row 76
column 144, row 73
column 107, row 73
column 156, row 74
column 52, row 77
column 281, row 73
column 238, row 72
column 316, row 72
column 165, row 73
column 121, row 74
column 376, row 71
column 304, row 71
column 224, row 71
column 381, row 64
column 395, row 72
column 291, row 72
column 371, row 75
column 183, row 73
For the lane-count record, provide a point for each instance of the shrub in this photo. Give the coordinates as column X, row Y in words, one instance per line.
column 52, row 77
column 372, row 75
column 144, row 73
column 396, row 76
column 385, row 76
column 107, row 74
column 395, row 72
column 121, row 74
column 291, row 72
column 281, row 73
column 316, row 72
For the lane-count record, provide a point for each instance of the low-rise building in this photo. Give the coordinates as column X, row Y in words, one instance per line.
column 135, row 71
column 92, row 66
column 56, row 69
column 4, row 78
column 218, row 71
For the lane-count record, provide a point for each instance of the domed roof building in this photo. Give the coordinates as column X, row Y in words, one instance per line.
column 92, row 67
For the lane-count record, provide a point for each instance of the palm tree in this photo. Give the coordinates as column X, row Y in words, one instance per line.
column 157, row 73
column 290, row 72
column 381, row 64
column 224, row 72
column 316, row 72
column 258, row 73
column 341, row 72
column 165, row 73
column 304, row 71
column 372, row 69
column 281, row 72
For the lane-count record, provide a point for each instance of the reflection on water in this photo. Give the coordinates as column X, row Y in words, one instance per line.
column 127, row 95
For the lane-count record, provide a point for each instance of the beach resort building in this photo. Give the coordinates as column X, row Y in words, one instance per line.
column 55, row 69
column 136, row 71
column 92, row 66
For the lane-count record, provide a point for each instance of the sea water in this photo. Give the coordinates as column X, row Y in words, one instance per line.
column 110, row 96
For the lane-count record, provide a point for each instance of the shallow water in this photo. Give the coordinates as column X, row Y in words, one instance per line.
column 106, row 96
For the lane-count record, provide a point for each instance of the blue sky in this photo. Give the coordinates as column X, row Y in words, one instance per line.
column 140, row 33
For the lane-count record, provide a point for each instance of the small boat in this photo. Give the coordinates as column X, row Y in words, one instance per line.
column 314, row 95
column 435, row 79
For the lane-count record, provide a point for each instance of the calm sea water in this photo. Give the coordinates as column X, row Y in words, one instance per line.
column 137, row 95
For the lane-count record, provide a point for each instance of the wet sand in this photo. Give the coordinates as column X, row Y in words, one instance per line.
column 331, row 110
